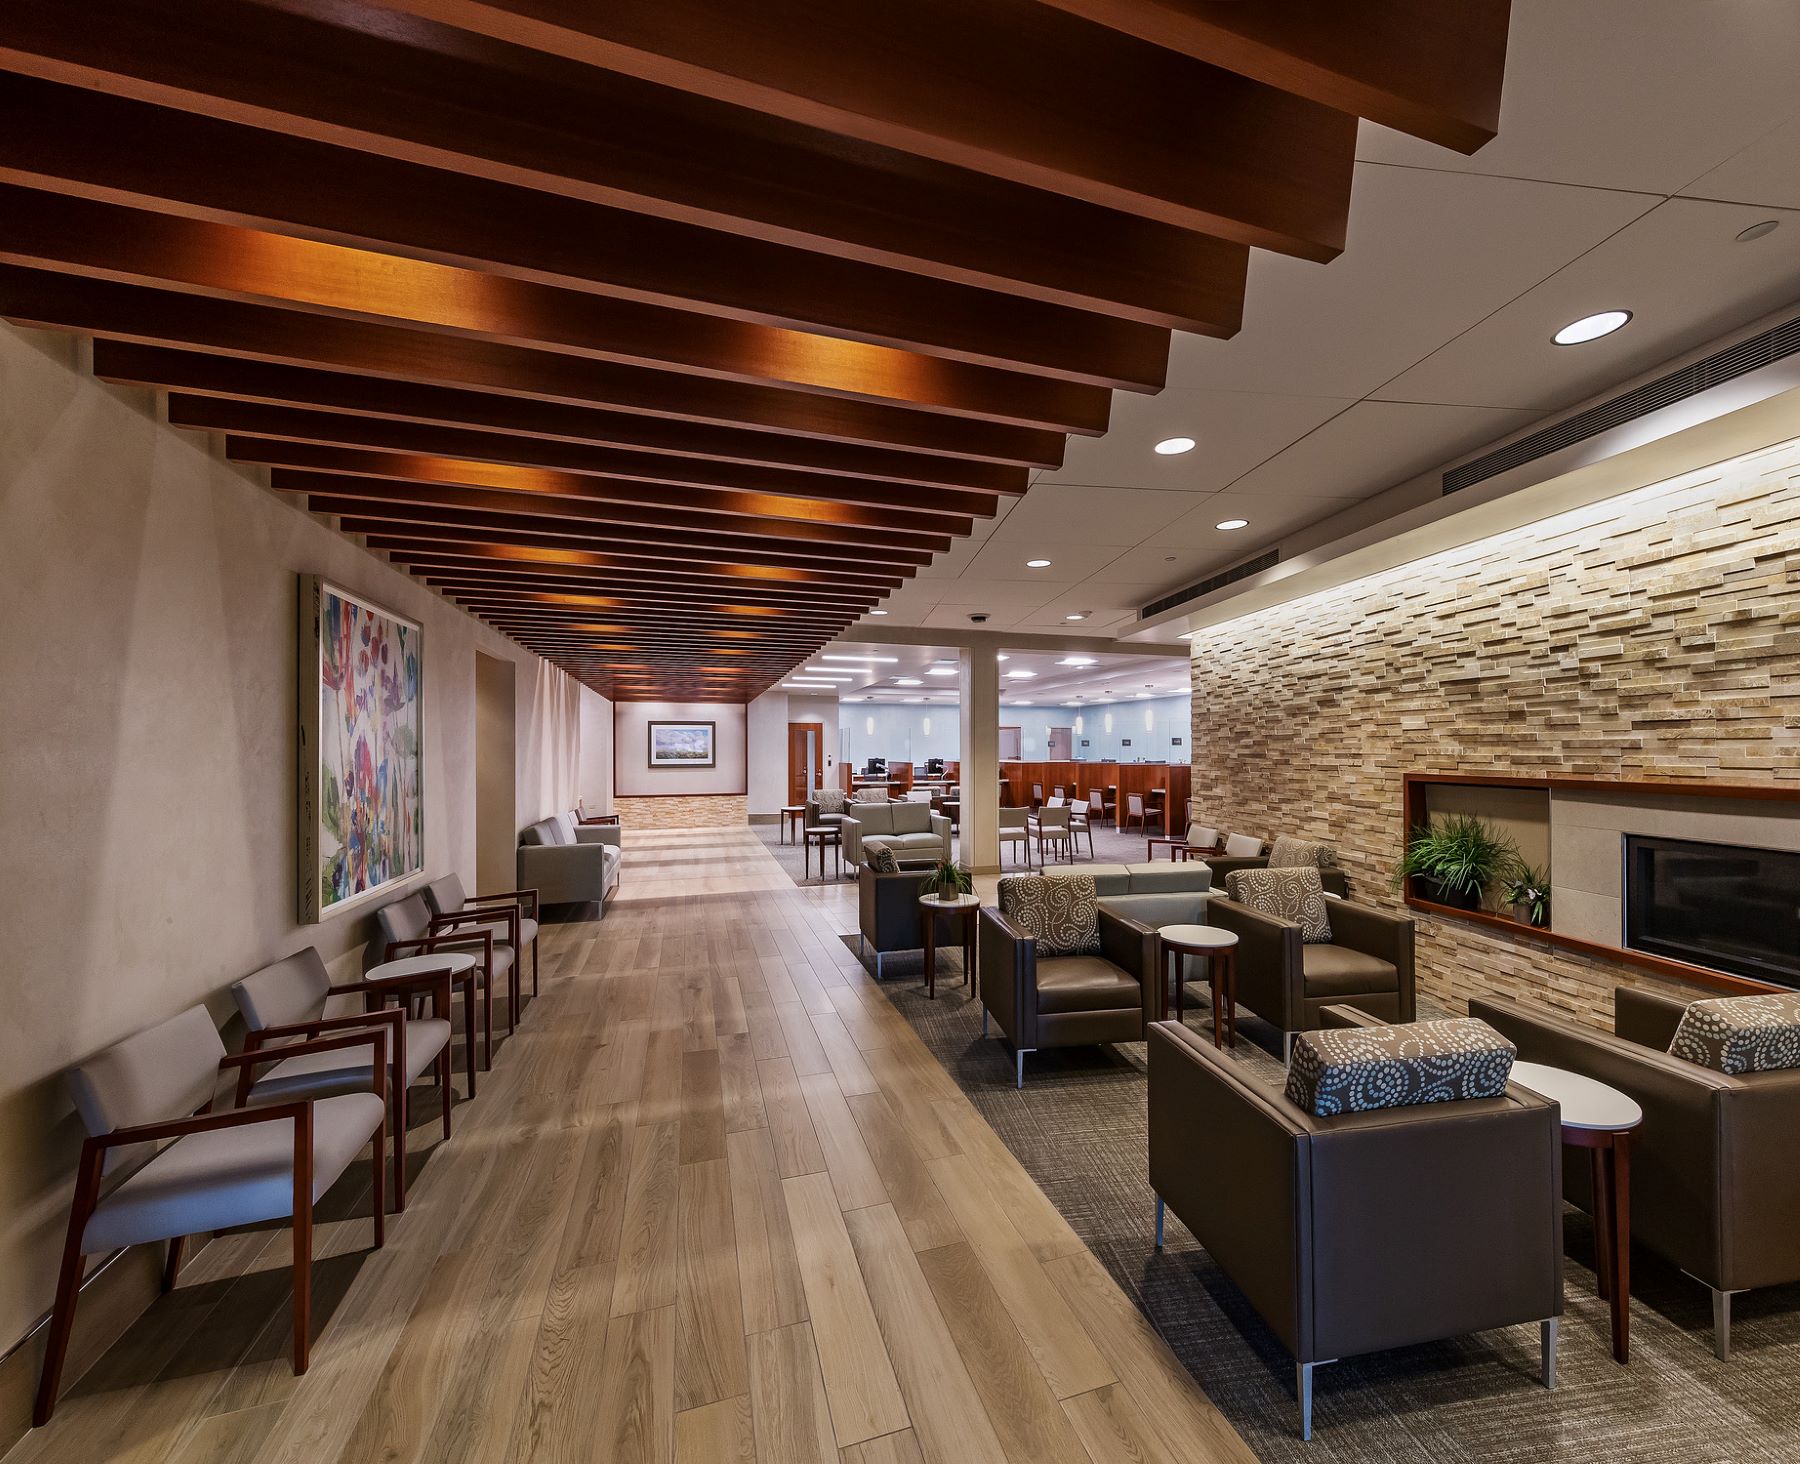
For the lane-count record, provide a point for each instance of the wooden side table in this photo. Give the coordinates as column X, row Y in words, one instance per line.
column 962, row 910
column 1219, row 950
column 823, row 837
column 1600, row 1119
column 792, row 815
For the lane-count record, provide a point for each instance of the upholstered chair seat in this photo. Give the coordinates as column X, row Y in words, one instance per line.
column 1084, row 984
column 1333, row 971
column 147, row 1105
column 516, row 911
column 287, row 1000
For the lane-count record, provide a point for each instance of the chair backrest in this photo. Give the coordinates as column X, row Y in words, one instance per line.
column 1037, row 791
column 546, row 831
column 1051, row 818
column 1202, row 837
column 1014, row 818
column 910, row 818
column 1057, row 791
column 1134, row 803
column 1242, row 846
column 406, row 919
column 446, row 896
column 163, row 1072
column 293, row 989
column 1096, row 801
column 1056, row 800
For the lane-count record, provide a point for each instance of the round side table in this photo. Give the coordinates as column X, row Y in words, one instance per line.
column 1219, row 950
column 791, row 816
column 1599, row 1119
column 962, row 910
column 461, row 966
column 822, row 837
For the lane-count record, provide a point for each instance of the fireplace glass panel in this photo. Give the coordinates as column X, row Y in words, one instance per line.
column 1722, row 906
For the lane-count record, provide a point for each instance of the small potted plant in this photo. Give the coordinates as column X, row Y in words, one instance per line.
column 947, row 880
column 1528, row 892
column 1453, row 860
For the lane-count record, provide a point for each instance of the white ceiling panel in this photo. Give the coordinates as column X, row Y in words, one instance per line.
column 1069, row 563
column 1429, row 255
column 1679, row 269
column 1643, row 95
column 1768, row 171
column 1056, row 513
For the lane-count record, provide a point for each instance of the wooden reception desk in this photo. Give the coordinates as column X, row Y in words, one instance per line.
column 1076, row 778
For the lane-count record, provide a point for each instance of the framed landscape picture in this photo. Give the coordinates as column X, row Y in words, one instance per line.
column 682, row 744
column 361, row 777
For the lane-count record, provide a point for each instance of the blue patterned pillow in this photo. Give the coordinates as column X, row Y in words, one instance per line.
column 1741, row 1034
column 1360, row 1069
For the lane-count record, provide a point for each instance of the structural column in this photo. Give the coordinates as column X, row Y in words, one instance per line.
column 980, row 758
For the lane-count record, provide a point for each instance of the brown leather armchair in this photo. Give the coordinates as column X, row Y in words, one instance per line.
column 1065, row 1001
column 1714, row 1185
column 1368, row 963
column 888, row 915
column 1364, row 1231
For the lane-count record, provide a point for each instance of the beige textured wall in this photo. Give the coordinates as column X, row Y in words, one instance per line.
column 1653, row 635
column 682, row 811
column 146, row 748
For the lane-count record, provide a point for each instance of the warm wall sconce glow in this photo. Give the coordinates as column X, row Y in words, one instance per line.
column 1109, row 722
column 869, row 726
column 1149, row 719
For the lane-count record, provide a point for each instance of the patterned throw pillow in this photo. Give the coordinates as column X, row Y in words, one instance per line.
column 1360, row 1069
column 1287, row 894
column 1291, row 853
column 870, row 795
column 1741, row 1034
column 1062, row 915
column 830, row 800
column 882, row 859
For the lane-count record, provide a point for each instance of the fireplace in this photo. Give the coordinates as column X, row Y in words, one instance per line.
column 1723, row 906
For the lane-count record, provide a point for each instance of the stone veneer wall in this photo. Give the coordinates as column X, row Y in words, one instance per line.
column 1654, row 635
column 682, row 811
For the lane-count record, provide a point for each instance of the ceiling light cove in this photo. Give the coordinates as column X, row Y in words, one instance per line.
column 1174, row 446
column 1021, row 675
column 1591, row 327
column 1037, row 563
column 1232, row 525
column 907, row 681
column 1076, row 661
column 940, row 671
column 861, row 659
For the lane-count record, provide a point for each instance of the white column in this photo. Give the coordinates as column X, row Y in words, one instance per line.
column 980, row 760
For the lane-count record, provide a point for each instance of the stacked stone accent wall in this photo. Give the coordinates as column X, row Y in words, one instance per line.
column 683, row 811
column 1656, row 635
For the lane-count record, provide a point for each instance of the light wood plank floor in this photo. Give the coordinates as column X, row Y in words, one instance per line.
column 716, row 1204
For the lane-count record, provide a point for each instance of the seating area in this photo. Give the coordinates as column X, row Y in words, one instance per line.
column 1187, row 617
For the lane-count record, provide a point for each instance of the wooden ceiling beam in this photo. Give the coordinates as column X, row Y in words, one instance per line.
column 230, row 380
column 402, row 92
column 161, row 317
column 601, row 472
column 873, row 545
column 1420, row 66
column 984, row 87
column 113, row 149
column 795, row 569
column 667, row 590
column 107, row 241
column 674, row 541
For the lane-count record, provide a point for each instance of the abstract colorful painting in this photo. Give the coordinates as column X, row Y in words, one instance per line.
column 681, row 744
column 362, row 806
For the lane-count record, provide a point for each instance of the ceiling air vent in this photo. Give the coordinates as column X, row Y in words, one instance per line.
column 1747, row 355
column 1266, row 560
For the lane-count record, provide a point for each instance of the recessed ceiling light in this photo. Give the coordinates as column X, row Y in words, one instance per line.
column 1758, row 231
column 907, row 681
column 1173, row 446
column 1078, row 615
column 940, row 671
column 1021, row 675
column 870, row 659
column 1076, row 661
column 1002, row 656
column 1591, row 327
column 1037, row 563
column 1229, row 524
column 878, row 612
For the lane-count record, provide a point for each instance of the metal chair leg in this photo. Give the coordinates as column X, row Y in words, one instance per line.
column 1547, row 1345
column 1159, row 1222
column 1303, row 1391
column 1721, row 1301
column 1019, row 1067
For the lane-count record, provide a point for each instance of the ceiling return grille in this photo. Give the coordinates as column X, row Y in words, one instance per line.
column 1266, row 560
column 1747, row 355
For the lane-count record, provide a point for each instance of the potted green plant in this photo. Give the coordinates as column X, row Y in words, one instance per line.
column 1528, row 892
column 1453, row 860
column 947, row 880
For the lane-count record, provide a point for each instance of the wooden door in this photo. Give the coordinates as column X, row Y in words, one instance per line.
column 1062, row 744
column 806, row 747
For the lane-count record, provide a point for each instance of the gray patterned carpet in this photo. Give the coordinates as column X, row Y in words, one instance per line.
column 1078, row 1127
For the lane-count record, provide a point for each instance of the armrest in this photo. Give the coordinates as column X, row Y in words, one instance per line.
column 1224, row 865
column 369, row 1036
column 1007, row 960
column 199, row 1123
column 1270, row 975
column 1648, row 1018
column 598, row 834
column 430, row 944
column 1378, row 933
column 1131, row 946
column 1348, row 1016
column 516, row 897
column 256, row 1037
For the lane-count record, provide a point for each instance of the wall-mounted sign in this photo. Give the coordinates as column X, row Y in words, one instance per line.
column 1124, row 742
column 1174, row 742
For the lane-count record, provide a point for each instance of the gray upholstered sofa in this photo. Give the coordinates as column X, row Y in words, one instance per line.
column 1163, row 893
column 569, row 863
column 911, row 830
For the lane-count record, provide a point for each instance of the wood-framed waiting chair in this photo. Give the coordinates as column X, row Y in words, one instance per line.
column 519, row 929
column 1037, row 796
column 1050, row 827
column 1058, row 795
column 285, row 1001
column 408, row 928
column 1014, row 829
column 1137, row 812
column 1081, row 822
column 206, row 1171
column 1102, row 805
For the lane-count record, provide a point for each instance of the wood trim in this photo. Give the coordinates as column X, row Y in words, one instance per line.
column 1413, row 786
